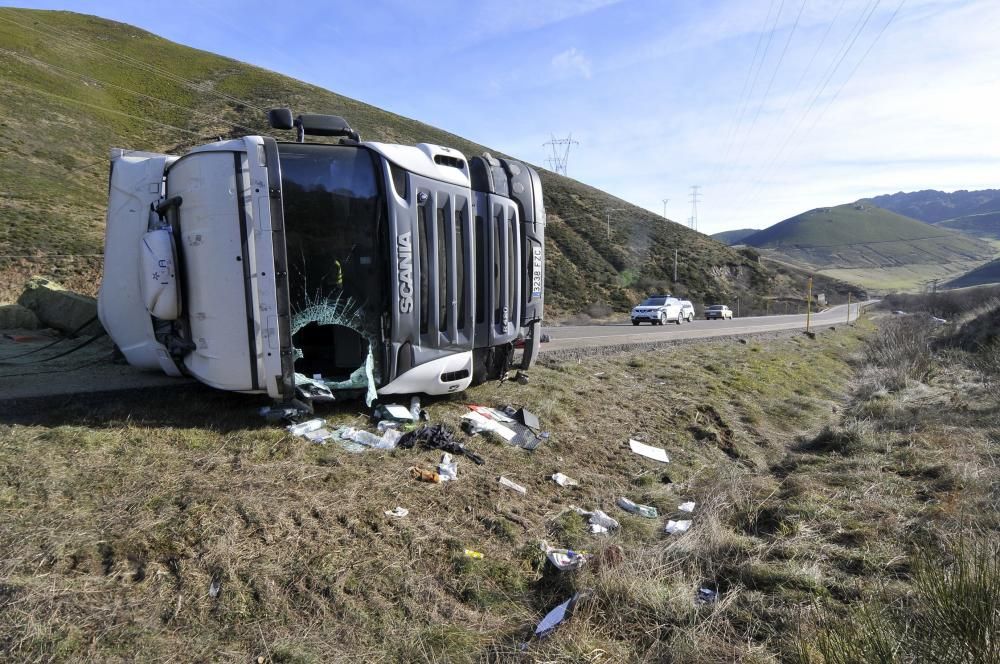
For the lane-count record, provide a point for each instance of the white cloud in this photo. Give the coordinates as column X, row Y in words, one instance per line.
column 571, row 62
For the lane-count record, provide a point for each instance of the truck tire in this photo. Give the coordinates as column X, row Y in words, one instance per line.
column 635, row 322
column 679, row 319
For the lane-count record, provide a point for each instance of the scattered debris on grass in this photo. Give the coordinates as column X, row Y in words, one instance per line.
column 447, row 469
column 647, row 511
column 512, row 485
column 677, row 526
column 564, row 559
column 438, row 437
column 599, row 521
column 475, row 555
column 397, row 511
column 563, row 480
column 686, row 507
column 424, row 475
column 654, row 453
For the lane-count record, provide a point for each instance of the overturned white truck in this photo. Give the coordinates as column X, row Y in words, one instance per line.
column 323, row 270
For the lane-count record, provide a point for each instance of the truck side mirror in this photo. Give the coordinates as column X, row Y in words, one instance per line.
column 280, row 118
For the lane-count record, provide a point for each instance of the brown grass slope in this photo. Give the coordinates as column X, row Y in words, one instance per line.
column 822, row 470
column 72, row 86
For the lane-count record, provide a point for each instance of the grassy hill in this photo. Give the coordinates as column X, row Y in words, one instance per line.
column 871, row 246
column 982, row 225
column 984, row 274
column 74, row 86
column 734, row 237
column 933, row 206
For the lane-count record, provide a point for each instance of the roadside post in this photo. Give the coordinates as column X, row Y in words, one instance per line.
column 848, row 307
column 809, row 298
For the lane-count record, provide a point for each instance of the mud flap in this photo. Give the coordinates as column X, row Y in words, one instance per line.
column 532, row 344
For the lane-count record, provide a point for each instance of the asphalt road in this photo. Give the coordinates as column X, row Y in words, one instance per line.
column 91, row 370
column 590, row 336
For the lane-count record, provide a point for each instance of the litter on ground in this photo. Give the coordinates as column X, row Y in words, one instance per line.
column 516, row 426
column 307, row 426
column 655, row 453
column 599, row 521
column 557, row 615
column 706, row 596
column 447, row 469
column 647, row 511
column 398, row 512
column 677, row 526
column 564, row 559
column 563, row 480
column 512, row 485
column 475, row 555
column 686, row 507
column 437, row 437
column 424, row 475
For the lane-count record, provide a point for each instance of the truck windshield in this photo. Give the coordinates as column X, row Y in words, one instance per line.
column 333, row 222
column 653, row 302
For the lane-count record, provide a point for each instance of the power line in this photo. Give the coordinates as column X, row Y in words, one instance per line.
column 694, row 206
column 825, row 79
column 802, row 77
column 770, row 83
column 744, row 93
column 560, row 153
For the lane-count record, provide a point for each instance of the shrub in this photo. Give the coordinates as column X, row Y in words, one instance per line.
column 902, row 347
column 953, row 614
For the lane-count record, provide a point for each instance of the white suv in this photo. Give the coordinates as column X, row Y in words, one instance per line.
column 659, row 309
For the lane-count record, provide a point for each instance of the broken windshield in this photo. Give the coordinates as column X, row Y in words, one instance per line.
column 333, row 224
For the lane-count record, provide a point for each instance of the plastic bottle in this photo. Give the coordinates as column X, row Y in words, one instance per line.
column 415, row 408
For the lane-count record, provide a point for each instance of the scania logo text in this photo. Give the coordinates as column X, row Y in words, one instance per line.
column 404, row 257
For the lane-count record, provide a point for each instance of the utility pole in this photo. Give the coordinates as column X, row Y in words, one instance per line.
column 848, row 307
column 560, row 152
column 675, row 266
column 809, row 298
column 737, row 306
column 665, row 201
column 694, row 205
column 608, row 211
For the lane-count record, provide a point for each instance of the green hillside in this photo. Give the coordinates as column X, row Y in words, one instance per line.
column 734, row 237
column 74, row 86
column 983, row 225
column 984, row 274
column 873, row 247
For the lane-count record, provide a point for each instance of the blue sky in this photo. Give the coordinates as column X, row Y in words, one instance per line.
column 772, row 106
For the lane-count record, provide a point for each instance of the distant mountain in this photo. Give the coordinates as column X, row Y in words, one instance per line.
column 984, row 274
column 867, row 245
column 933, row 206
column 733, row 237
column 984, row 224
column 859, row 235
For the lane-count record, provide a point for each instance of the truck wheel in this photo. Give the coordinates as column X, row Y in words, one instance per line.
column 679, row 319
column 635, row 322
column 659, row 320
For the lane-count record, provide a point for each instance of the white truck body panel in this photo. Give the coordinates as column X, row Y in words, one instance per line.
column 136, row 183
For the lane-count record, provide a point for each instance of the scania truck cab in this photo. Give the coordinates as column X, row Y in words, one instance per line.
column 323, row 270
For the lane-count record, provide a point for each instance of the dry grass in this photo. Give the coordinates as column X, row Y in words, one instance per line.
column 121, row 515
